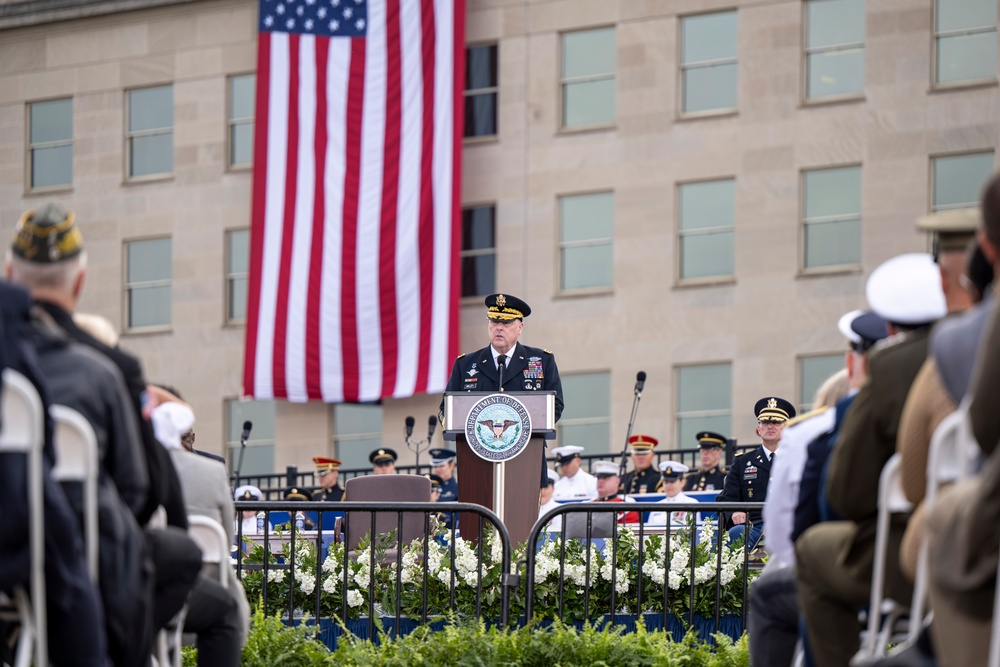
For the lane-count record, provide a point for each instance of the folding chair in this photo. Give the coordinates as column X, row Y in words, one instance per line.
column 994, row 659
column 891, row 500
column 385, row 488
column 211, row 538
column 22, row 431
column 76, row 461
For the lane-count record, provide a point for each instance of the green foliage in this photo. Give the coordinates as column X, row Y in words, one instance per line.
column 272, row 643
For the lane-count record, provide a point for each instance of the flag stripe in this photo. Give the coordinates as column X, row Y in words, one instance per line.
column 390, row 192
column 352, row 291
column 458, row 117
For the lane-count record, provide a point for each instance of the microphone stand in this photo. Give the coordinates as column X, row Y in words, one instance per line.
column 628, row 435
column 419, row 446
column 239, row 463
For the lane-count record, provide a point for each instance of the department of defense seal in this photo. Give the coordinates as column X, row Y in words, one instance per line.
column 498, row 427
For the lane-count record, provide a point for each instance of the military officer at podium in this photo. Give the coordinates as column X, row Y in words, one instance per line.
column 711, row 476
column 521, row 368
column 328, row 470
column 645, row 478
column 747, row 480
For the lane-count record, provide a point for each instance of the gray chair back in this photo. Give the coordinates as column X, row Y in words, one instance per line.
column 385, row 488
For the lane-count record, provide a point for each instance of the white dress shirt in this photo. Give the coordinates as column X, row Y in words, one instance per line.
column 677, row 519
column 581, row 486
column 783, row 487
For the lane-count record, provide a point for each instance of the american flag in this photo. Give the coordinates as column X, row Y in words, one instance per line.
column 354, row 274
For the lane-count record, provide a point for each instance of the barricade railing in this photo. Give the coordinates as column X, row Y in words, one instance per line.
column 694, row 533
column 279, row 551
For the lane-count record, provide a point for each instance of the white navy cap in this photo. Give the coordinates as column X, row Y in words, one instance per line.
column 248, row 492
column 439, row 457
column 844, row 325
column 605, row 468
column 906, row 290
column 566, row 452
column 553, row 475
column 672, row 469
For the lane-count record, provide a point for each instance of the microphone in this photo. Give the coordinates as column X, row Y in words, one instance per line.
column 410, row 421
column 432, row 423
column 247, row 425
column 640, row 382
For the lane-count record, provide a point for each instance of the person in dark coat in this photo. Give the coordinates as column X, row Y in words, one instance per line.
column 711, row 475
column 523, row 368
column 328, row 470
column 644, row 478
column 747, row 478
column 72, row 602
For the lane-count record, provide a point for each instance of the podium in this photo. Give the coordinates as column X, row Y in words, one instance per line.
column 507, row 482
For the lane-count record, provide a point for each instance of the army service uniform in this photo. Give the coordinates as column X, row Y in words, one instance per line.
column 712, row 479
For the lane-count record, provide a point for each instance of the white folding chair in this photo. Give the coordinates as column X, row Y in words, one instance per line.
column 994, row 660
column 76, row 461
column 891, row 500
column 22, row 431
column 211, row 538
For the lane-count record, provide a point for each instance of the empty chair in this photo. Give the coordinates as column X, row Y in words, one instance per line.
column 21, row 431
column 211, row 539
column 601, row 525
column 76, row 461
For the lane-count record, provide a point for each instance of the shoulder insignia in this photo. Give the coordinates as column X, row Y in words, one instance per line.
column 546, row 351
column 807, row 415
column 461, row 355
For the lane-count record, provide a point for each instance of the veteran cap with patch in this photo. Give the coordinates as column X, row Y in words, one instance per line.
column 710, row 440
column 48, row 234
column 504, row 307
column 382, row 455
column 672, row 470
column 773, row 409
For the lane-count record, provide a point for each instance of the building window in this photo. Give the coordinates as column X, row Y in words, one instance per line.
column 958, row 180
column 965, row 37
column 708, row 62
column 147, row 283
column 50, row 143
column 586, row 419
column 813, row 372
column 150, row 132
column 481, row 91
column 835, row 48
column 831, row 217
column 478, row 250
column 586, row 241
column 237, row 260
column 588, row 77
column 258, row 456
column 706, row 214
column 357, row 430
column 704, row 401
column 241, row 112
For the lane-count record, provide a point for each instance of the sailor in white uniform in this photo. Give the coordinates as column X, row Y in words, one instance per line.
column 672, row 473
column 575, row 484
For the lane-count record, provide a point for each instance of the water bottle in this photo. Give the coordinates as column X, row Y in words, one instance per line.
column 260, row 522
column 300, row 521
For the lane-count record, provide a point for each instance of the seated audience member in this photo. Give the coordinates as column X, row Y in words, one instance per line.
column 545, row 500
column 834, row 559
column 575, row 483
column 672, row 473
column 248, row 518
column 77, row 635
column 221, row 624
column 328, row 472
column 608, row 485
column 643, row 478
column 299, row 496
column 711, row 475
column 383, row 461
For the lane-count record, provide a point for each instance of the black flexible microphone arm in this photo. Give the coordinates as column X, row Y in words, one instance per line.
column 640, row 382
column 247, row 425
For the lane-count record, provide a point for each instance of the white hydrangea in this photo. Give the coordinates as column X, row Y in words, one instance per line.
column 354, row 598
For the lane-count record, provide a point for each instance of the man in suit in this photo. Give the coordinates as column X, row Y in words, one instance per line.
column 834, row 559
column 747, row 479
column 644, row 478
column 521, row 368
column 328, row 470
column 711, row 475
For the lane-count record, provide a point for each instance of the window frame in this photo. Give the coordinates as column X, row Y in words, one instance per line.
column 30, row 148
column 128, row 286
column 479, row 252
column 679, row 280
column 233, row 445
column 936, row 36
column 589, row 420
column 678, row 414
column 803, row 223
column 490, row 90
column 338, row 439
column 808, row 50
column 563, row 128
column 561, row 290
column 683, row 67
column 232, row 122
column 130, row 135
column 802, row 406
column 931, row 205
column 228, row 318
